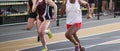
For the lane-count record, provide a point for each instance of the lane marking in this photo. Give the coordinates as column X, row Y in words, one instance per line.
column 17, row 33
column 40, row 45
column 89, row 46
column 73, row 47
column 17, row 40
column 90, row 31
column 62, row 49
column 107, row 42
column 112, row 42
column 19, row 46
column 64, row 32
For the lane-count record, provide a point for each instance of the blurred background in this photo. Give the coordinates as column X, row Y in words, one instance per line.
column 15, row 12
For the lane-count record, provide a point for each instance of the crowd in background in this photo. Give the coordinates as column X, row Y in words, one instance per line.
column 106, row 7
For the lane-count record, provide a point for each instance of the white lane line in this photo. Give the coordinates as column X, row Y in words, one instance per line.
column 64, row 32
column 57, row 42
column 90, row 46
column 62, row 49
column 112, row 42
column 80, row 37
column 40, row 45
column 17, row 40
column 19, row 45
column 115, row 37
column 90, row 38
column 17, row 33
column 107, row 42
column 53, row 27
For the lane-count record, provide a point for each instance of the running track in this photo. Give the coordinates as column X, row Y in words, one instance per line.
column 103, row 35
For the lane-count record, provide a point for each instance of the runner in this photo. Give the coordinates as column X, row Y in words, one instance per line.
column 74, row 20
column 105, row 7
column 32, row 20
column 112, row 7
column 32, row 16
column 42, row 8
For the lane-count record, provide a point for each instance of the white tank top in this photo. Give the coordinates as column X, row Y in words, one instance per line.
column 73, row 12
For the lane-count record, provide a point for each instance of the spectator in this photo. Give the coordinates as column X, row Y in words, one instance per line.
column 112, row 7
column 117, row 7
column 1, row 12
column 105, row 7
column 92, row 5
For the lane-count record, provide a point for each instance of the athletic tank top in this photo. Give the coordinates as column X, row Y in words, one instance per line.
column 73, row 12
column 43, row 11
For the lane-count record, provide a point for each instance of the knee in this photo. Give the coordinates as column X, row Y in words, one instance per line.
column 29, row 27
column 67, row 35
column 41, row 33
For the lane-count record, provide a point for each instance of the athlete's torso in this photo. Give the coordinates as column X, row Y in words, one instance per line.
column 43, row 11
column 73, row 12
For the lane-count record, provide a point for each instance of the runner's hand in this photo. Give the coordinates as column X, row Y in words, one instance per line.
column 54, row 17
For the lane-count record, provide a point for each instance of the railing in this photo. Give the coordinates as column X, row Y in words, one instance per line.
column 17, row 7
column 58, row 2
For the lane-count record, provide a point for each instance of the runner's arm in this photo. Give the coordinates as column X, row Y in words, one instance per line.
column 51, row 3
column 35, row 3
column 63, row 7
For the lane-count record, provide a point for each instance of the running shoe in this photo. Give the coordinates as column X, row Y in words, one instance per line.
column 49, row 33
column 76, row 48
column 44, row 49
column 82, row 49
column 105, row 14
